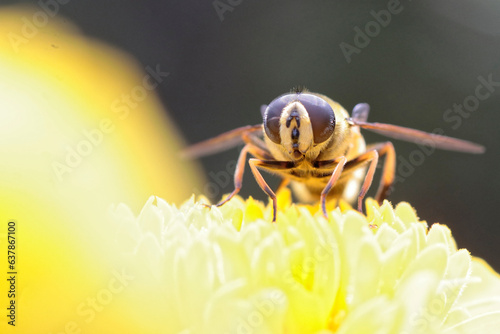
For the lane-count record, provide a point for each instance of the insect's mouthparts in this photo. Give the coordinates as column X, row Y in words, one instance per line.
column 297, row 154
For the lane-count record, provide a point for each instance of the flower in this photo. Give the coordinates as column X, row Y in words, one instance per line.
column 230, row 270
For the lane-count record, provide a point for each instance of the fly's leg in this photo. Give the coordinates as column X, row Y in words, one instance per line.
column 372, row 156
column 240, row 168
column 339, row 164
column 388, row 172
column 271, row 165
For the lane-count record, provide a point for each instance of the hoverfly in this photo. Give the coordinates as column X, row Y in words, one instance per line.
column 311, row 140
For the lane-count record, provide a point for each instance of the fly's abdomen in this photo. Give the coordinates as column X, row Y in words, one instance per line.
column 308, row 187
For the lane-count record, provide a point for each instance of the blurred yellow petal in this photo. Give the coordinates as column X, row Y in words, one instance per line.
column 80, row 128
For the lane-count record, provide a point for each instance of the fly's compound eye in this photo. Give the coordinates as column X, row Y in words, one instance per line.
column 272, row 115
column 321, row 115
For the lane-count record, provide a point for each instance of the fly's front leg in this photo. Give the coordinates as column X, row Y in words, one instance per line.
column 250, row 138
column 339, row 164
column 270, row 165
column 240, row 168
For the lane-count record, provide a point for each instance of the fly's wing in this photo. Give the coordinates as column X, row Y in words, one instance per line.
column 222, row 142
column 420, row 137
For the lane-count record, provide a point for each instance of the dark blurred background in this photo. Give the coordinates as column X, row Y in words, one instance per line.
column 228, row 57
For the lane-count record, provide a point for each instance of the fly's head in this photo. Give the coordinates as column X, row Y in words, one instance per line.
column 299, row 124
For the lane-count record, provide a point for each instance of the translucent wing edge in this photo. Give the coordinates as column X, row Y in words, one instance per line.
column 421, row 137
column 220, row 143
